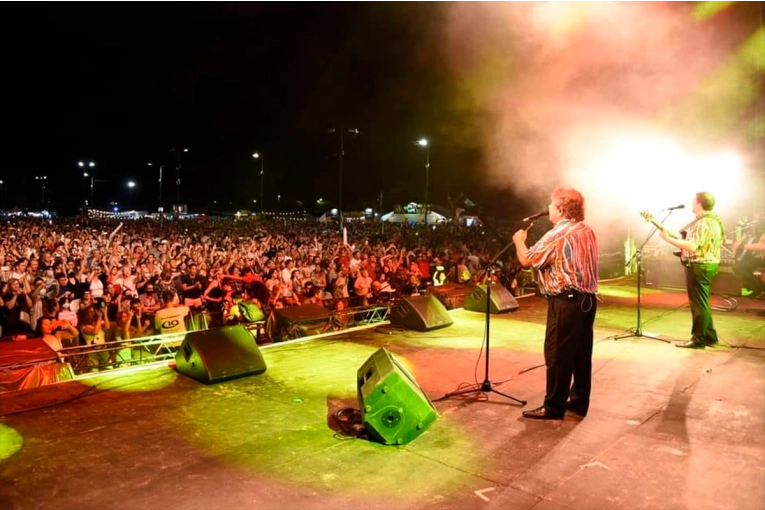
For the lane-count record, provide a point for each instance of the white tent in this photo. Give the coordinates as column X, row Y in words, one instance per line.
column 413, row 213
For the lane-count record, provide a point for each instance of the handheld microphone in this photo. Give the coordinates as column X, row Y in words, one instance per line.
column 535, row 216
column 681, row 206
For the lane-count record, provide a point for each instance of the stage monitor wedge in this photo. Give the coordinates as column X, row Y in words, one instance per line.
column 501, row 301
column 420, row 313
column 293, row 322
column 215, row 355
column 394, row 408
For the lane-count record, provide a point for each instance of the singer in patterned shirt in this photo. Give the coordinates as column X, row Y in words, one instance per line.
column 701, row 257
column 565, row 260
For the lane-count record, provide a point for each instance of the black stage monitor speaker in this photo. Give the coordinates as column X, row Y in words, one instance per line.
column 420, row 313
column 501, row 300
column 214, row 355
column 452, row 295
column 394, row 408
column 294, row 322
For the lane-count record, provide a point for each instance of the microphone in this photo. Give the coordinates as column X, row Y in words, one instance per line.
column 535, row 216
column 681, row 206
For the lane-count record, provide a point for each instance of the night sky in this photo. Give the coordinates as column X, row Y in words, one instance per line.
column 504, row 91
column 120, row 84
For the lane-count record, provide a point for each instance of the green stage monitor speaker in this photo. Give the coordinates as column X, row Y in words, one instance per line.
column 214, row 355
column 500, row 301
column 394, row 408
column 420, row 313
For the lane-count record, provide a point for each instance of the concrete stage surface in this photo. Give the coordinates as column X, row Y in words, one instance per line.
column 668, row 428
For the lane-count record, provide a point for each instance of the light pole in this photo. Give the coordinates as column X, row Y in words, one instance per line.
column 42, row 179
column 423, row 142
column 2, row 183
column 340, row 179
column 159, row 202
column 178, row 150
column 89, row 164
column 262, row 158
column 87, row 175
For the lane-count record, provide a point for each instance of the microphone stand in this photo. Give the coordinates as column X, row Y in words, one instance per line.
column 485, row 386
column 638, row 256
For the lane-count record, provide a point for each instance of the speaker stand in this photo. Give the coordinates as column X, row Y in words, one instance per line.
column 485, row 386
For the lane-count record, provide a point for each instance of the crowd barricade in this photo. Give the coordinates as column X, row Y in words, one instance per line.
column 283, row 324
column 122, row 353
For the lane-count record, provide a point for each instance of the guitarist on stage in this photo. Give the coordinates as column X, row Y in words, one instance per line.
column 701, row 258
column 746, row 265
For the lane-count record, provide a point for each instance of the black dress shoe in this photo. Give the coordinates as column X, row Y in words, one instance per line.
column 711, row 344
column 575, row 409
column 542, row 413
column 690, row 344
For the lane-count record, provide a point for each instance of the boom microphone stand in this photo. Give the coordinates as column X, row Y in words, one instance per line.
column 638, row 256
column 485, row 386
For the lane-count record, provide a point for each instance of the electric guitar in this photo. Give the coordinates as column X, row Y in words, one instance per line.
column 739, row 254
column 649, row 218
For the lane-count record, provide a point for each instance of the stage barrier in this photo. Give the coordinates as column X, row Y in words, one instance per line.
column 161, row 349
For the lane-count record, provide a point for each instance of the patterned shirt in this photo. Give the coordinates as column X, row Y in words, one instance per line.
column 707, row 233
column 565, row 258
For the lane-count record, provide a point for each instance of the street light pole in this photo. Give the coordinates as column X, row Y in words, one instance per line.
column 178, row 150
column 262, row 162
column 160, row 211
column 159, row 205
column 89, row 164
column 2, row 183
column 42, row 179
column 159, row 202
column 340, row 186
column 86, row 174
column 340, row 183
column 423, row 142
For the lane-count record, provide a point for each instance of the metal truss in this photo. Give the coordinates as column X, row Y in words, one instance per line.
column 125, row 353
column 85, row 359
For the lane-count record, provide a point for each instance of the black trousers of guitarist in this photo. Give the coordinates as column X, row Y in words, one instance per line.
column 568, row 351
column 698, row 281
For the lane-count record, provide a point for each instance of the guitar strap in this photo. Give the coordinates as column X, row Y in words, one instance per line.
column 710, row 215
column 686, row 228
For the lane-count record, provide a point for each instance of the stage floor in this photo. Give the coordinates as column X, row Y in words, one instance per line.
column 668, row 428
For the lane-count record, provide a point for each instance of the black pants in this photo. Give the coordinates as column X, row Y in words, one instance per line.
column 568, row 350
column 698, row 280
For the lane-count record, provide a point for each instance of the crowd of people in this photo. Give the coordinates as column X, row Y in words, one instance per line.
column 80, row 283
